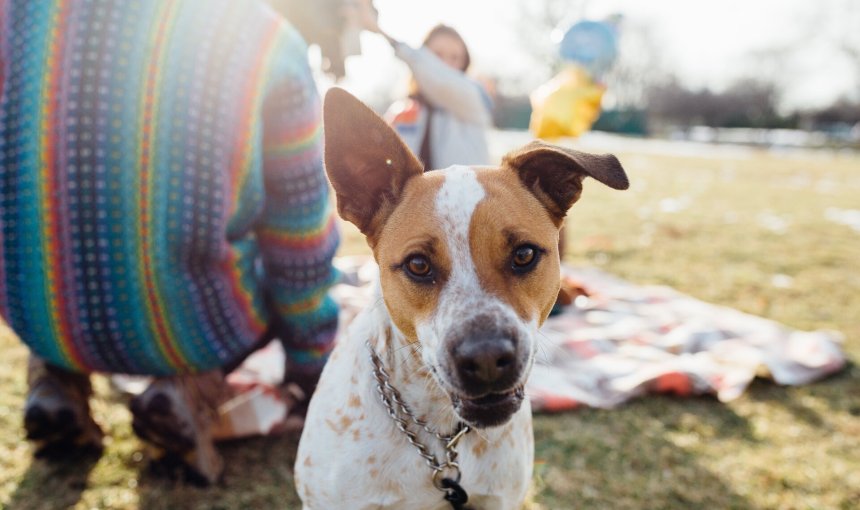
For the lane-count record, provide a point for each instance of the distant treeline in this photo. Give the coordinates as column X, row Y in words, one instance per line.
column 746, row 104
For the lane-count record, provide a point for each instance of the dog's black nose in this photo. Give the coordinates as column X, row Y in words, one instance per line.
column 486, row 365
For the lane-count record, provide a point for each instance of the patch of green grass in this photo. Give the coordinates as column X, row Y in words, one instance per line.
column 728, row 230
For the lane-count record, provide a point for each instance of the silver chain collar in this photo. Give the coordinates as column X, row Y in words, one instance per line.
column 392, row 400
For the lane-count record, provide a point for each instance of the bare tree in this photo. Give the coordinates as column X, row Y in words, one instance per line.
column 639, row 66
column 848, row 34
column 540, row 22
column 834, row 25
column 829, row 28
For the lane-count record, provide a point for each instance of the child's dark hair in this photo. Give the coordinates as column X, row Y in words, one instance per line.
column 442, row 29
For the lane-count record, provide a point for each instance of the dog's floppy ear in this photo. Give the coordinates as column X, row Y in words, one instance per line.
column 367, row 163
column 554, row 174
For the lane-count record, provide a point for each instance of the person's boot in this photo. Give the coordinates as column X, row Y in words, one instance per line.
column 57, row 411
column 174, row 418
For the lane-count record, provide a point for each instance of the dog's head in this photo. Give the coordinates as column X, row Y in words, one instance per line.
column 468, row 257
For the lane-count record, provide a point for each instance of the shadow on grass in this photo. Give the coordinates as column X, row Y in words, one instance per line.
column 49, row 484
column 258, row 474
column 633, row 457
column 839, row 393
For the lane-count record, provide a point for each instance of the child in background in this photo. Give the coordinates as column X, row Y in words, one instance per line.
column 445, row 117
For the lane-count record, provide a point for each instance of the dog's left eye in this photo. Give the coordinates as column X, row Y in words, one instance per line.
column 524, row 258
column 418, row 268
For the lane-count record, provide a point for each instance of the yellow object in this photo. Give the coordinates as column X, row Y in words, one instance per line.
column 567, row 105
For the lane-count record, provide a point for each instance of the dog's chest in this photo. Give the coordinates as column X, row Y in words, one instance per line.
column 384, row 471
column 352, row 455
column 495, row 471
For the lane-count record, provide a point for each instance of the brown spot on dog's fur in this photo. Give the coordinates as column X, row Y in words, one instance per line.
column 356, row 434
column 371, row 459
column 340, row 426
column 393, row 487
column 479, row 448
column 308, row 461
column 354, row 401
column 374, row 472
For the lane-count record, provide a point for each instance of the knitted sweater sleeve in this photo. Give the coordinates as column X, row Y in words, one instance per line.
column 297, row 235
column 445, row 87
column 3, row 31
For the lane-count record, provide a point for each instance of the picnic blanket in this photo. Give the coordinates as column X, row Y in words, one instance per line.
column 620, row 342
column 626, row 340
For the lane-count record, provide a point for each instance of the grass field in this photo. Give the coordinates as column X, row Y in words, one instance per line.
column 742, row 228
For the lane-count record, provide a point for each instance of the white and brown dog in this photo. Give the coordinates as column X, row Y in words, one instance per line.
column 468, row 272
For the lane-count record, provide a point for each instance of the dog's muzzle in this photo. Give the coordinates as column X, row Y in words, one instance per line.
column 485, row 364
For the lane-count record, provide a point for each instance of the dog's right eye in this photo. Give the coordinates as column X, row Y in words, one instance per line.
column 418, row 268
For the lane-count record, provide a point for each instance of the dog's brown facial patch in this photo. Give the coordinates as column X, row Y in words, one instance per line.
column 412, row 230
column 509, row 220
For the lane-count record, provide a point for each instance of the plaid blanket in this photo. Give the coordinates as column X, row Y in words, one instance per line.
column 626, row 340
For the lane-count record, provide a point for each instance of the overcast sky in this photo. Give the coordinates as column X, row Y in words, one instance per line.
column 707, row 43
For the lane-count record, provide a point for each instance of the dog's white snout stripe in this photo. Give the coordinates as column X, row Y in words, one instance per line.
column 464, row 298
column 455, row 204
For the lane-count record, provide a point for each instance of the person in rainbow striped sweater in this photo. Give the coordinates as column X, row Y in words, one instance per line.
column 163, row 208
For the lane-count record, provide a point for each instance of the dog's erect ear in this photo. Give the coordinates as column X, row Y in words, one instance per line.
column 367, row 163
column 554, row 174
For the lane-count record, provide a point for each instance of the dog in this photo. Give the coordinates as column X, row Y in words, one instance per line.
column 422, row 404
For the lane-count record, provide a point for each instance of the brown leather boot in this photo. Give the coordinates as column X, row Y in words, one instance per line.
column 174, row 417
column 57, row 411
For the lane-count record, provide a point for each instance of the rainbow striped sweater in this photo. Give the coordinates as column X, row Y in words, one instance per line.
column 162, row 199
